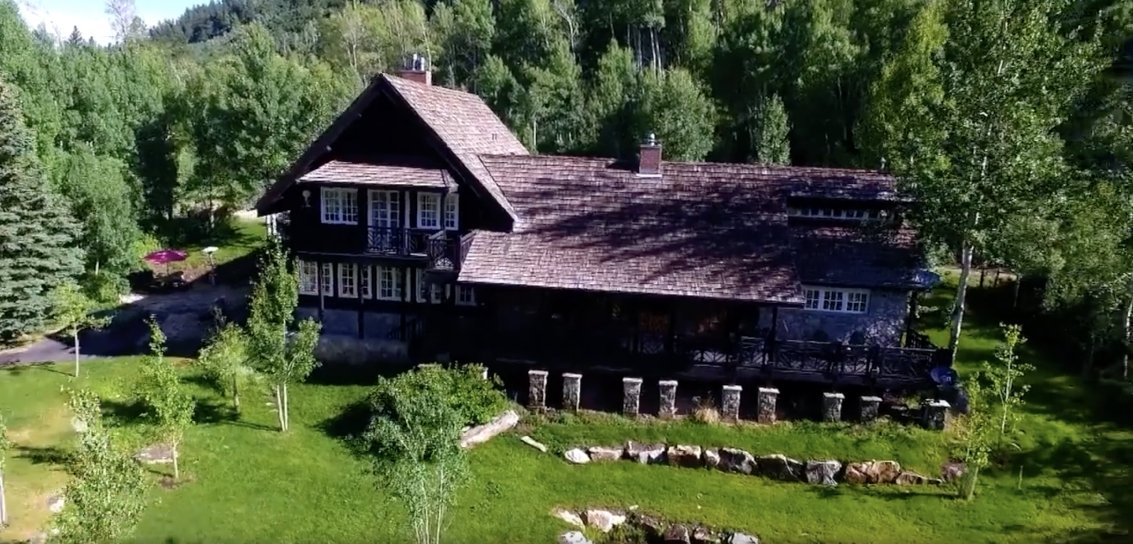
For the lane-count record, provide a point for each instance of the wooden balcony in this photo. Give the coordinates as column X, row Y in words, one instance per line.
column 441, row 251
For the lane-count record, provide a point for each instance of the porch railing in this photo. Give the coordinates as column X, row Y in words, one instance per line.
column 443, row 250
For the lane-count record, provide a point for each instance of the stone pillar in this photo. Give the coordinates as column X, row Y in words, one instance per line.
column 832, row 406
column 537, row 389
column 572, row 390
column 934, row 414
column 765, row 401
column 484, row 374
column 869, row 409
column 668, row 406
column 730, row 402
column 631, row 396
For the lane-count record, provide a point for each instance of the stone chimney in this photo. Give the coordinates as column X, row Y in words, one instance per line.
column 649, row 159
column 417, row 69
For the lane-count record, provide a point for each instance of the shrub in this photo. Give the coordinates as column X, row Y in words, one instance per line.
column 705, row 410
column 476, row 400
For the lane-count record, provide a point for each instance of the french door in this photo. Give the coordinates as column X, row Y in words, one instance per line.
column 385, row 220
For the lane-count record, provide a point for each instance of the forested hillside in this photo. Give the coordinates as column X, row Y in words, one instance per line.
column 1010, row 120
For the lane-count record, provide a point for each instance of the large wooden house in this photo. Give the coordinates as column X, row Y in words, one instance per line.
column 418, row 218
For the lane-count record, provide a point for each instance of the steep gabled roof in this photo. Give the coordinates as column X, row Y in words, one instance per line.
column 463, row 124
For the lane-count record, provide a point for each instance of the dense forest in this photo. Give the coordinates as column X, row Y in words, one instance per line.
column 1011, row 121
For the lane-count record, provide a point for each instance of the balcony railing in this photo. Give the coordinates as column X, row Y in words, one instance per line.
column 442, row 250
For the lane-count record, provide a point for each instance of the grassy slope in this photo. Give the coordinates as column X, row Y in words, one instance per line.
column 251, row 484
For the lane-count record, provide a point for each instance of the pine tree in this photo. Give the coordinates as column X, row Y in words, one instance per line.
column 37, row 232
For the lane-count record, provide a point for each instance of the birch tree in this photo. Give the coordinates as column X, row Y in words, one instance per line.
column 225, row 359
column 73, row 311
column 5, row 447
column 987, row 150
column 280, row 347
column 168, row 405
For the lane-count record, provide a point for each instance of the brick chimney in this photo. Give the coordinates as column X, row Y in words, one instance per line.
column 417, row 69
column 649, row 159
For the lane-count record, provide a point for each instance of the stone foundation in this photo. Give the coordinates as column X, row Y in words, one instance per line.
column 631, row 396
column 832, row 406
column 766, row 402
column 668, row 407
column 537, row 389
column 730, row 402
column 572, row 390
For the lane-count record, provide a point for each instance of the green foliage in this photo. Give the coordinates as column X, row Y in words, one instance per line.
column 224, row 361
column 414, row 437
column 169, row 406
column 279, row 355
column 106, row 494
column 37, row 232
column 476, row 400
column 770, row 130
column 676, row 109
column 73, row 310
column 1004, row 378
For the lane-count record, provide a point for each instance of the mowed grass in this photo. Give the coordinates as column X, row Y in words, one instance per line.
column 248, row 483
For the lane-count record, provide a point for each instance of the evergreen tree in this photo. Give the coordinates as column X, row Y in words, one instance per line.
column 37, row 233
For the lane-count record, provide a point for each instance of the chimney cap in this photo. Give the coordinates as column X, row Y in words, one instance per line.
column 650, row 139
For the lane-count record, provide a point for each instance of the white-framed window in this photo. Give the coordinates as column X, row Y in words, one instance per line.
column 465, row 295
column 826, row 299
column 364, row 281
column 427, row 292
column 385, row 209
column 390, row 283
column 347, row 280
column 308, row 278
column 452, row 211
column 428, row 210
column 340, row 206
column 328, row 279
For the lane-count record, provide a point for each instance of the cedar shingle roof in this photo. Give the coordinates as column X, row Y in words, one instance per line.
column 855, row 256
column 378, row 174
column 700, row 230
column 466, row 125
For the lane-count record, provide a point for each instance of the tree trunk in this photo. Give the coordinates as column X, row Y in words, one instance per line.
column 176, row 465
column 279, row 409
column 1125, row 334
column 983, row 276
column 961, row 297
column 3, row 503
column 286, row 410
column 236, row 393
column 76, row 354
column 1015, row 290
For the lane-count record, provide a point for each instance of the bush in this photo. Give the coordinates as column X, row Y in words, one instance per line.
column 477, row 400
column 705, row 411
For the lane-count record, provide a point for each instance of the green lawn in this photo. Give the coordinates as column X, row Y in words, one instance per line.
column 249, row 483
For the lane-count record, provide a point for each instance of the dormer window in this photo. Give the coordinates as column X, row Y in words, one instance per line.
column 339, row 206
column 428, row 210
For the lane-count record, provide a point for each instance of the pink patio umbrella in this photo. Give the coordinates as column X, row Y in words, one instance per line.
column 166, row 256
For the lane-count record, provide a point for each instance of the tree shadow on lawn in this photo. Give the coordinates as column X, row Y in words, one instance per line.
column 348, row 426
column 20, row 369
column 50, row 455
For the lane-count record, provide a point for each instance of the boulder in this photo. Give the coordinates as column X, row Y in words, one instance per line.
column 653, row 527
column 645, row 453
column 823, row 472
column 576, row 456
column 677, row 534
column 684, row 456
column 600, row 453
column 780, row 467
column 910, row 478
column 483, row 433
column 741, row 538
column 952, row 471
column 710, row 457
column 573, row 537
column 736, row 460
column 55, row 504
column 533, row 443
column 604, row 520
column 873, row 472
column 155, row 455
column 704, row 535
column 568, row 516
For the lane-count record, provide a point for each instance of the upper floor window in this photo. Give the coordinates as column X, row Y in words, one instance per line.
column 428, row 210
column 826, row 299
column 340, row 206
column 836, row 213
column 308, row 278
column 452, row 211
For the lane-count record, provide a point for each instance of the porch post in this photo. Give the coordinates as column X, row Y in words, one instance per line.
column 730, row 402
column 319, row 275
column 911, row 316
column 832, row 406
column 766, row 400
column 572, row 391
column 668, row 406
column 361, row 301
column 537, row 389
column 631, row 396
